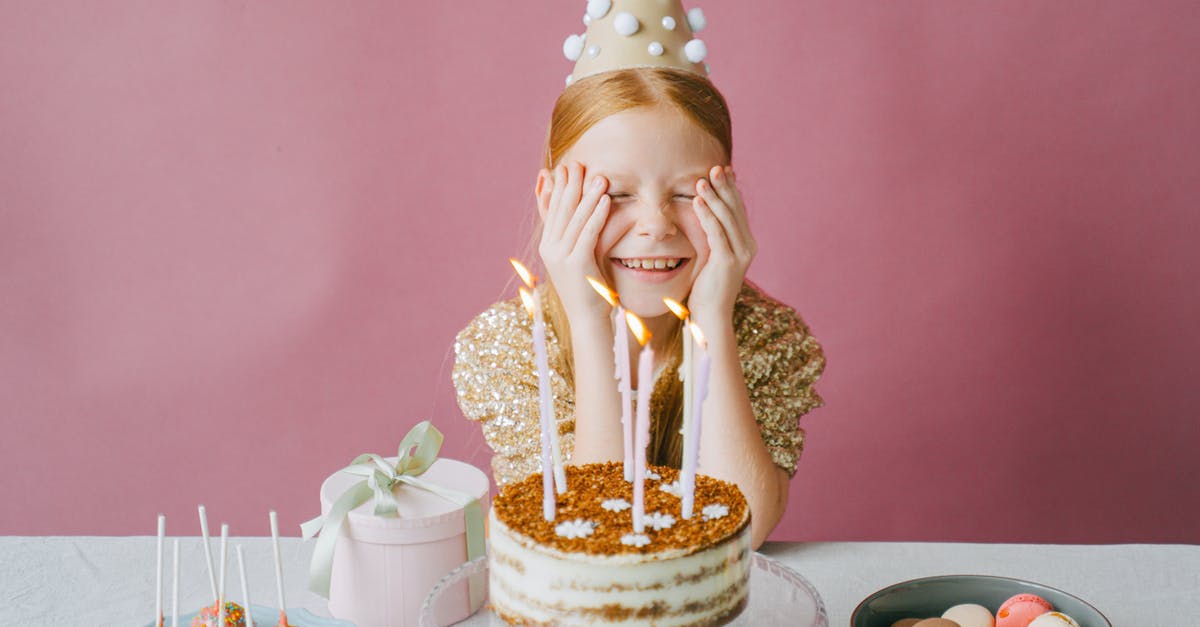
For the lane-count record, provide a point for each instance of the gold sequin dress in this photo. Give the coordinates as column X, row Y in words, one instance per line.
column 497, row 385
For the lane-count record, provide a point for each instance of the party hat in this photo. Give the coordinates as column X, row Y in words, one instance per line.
column 637, row 33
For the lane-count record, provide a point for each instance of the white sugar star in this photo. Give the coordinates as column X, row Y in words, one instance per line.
column 715, row 510
column 616, row 505
column 650, row 474
column 578, row 528
column 671, row 488
column 635, row 539
column 660, row 521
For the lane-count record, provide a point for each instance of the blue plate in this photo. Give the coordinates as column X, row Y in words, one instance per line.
column 930, row 596
column 269, row 616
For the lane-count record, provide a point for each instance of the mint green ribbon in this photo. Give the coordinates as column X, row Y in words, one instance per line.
column 418, row 451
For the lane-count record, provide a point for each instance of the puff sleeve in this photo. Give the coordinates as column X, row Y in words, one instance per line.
column 781, row 361
column 497, row 385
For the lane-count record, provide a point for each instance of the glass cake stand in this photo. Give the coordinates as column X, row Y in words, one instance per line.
column 778, row 596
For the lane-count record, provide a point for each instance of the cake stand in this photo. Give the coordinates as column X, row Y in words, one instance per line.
column 778, row 596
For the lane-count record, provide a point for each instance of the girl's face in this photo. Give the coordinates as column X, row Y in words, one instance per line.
column 652, row 245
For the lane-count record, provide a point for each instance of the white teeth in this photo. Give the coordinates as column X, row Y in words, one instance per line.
column 651, row 264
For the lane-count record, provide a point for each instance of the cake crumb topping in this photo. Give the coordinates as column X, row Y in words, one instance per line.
column 591, row 491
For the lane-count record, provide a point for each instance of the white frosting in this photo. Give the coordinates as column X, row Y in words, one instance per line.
column 536, row 582
column 696, row 20
column 626, row 24
column 695, row 50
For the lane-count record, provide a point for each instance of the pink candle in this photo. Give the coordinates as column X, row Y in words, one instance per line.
column 621, row 353
column 621, row 370
column 539, row 353
column 693, row 436
column 642, row 435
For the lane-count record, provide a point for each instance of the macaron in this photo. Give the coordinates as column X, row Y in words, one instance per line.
column 1019, row 614
column 1026, row 598
column 936, row 622
column 1054, row 619
column 970, row 615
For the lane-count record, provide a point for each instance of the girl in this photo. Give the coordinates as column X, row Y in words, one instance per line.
column 638, row 189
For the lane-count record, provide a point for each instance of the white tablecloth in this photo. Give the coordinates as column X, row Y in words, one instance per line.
column 110, row 581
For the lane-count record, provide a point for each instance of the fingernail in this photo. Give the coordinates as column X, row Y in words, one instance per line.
column 597, row 183
column 719, row 175
column 703, row 184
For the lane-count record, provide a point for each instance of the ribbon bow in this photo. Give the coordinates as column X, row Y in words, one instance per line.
column 418, row 451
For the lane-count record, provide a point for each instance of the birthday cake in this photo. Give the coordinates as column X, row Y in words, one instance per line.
column 588, row 565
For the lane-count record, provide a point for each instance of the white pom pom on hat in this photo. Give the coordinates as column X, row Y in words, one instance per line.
column 573, row 47
column 626, row 24
column 625, row 34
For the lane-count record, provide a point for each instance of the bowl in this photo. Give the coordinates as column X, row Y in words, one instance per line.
column 928, row 597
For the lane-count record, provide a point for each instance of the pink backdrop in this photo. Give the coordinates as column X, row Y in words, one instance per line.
column 236, row 242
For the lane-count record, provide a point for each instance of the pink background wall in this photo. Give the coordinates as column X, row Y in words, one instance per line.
column 236, row 242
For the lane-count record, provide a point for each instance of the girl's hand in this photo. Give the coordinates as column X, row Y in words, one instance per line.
column 722, row 215
column 573, row 213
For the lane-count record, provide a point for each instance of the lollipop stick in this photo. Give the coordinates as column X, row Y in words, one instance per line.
column 212, row 580
column 175, row 586
column 245, row 587
column 221, row 579
column 158, row 600
column 278, row 569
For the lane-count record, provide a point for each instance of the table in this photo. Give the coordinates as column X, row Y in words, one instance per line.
column 110, row 580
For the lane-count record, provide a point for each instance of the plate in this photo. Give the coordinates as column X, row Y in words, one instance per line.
column 778, row 596
column 269, row 617
column 930, row 596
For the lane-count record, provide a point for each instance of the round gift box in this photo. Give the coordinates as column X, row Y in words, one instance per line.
column 383, row 567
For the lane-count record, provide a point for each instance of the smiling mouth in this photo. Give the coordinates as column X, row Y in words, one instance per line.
column 652, row 264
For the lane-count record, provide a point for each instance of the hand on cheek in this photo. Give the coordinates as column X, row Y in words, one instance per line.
column 722, row 215
column 574, row 210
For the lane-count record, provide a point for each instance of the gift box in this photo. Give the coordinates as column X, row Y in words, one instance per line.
column 395, row 528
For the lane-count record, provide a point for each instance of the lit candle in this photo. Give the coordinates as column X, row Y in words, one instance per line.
column 621, row 372
column 685, row 372
column 692, row 441
column 549, row 424
column 642, row 435
column 539, row 352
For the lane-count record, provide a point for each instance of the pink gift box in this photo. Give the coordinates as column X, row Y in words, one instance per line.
column 384, row 567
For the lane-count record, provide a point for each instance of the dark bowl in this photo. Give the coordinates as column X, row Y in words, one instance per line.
column 928, row 597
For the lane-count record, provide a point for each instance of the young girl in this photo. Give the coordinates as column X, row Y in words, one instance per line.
column 638, row 189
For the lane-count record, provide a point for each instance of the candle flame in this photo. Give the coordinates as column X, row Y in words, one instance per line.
column 639, row 329
column 677, row 308
column 526, row 298
column 529, row 279
column 696, row 333
column 603, row 290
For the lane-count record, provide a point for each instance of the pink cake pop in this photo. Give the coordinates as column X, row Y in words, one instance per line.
column 235, row 616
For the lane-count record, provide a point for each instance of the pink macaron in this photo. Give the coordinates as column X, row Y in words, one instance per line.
column 1019, row 614
column 1027, row 598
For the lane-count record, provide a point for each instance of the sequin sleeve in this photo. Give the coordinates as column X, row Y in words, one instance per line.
column 496, row 382
column 781, row 361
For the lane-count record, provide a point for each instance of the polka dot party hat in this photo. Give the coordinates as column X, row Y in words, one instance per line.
column 637, row 33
